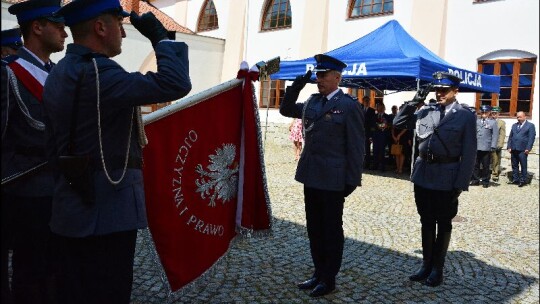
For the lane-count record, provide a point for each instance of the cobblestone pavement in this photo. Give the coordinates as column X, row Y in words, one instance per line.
column 493, row 255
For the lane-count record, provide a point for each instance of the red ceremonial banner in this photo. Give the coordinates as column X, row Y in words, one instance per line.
column 204, row 181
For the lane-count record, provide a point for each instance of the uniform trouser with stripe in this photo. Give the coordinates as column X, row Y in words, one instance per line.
column 25, row 230
column 481, row 167
column 324, row 217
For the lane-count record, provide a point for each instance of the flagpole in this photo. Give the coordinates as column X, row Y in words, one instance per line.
column 246, row 31
column 190, row 101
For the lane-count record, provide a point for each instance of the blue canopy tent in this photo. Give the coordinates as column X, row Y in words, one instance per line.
column 390, row 59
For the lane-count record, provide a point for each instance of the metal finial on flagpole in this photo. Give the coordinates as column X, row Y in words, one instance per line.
column 268, row 68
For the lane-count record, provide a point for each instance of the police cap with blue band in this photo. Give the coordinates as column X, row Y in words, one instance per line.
column 445, row 80
column 36, row 9
column 485, row 108
column 327, row 63
column 82, row 10
column 12, row 38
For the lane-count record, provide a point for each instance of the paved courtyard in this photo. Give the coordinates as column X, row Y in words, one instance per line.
column 493, row 255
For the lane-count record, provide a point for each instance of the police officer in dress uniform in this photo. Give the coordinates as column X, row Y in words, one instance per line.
column 330, row 166
column 11, row 41
column 95, row 138
column 487, row 136
column 447, row 149
column 26, row 201
column 496, row 155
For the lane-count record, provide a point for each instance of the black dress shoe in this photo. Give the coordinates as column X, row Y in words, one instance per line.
column 485, row 185
column 513, row 183
column 309, row 284
column 474, row 183
column 521, row 184
column 322, row 289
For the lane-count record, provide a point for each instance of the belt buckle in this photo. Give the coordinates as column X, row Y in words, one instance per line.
column 430, row 157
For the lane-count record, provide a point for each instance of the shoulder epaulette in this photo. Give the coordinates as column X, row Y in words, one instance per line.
column 351, row 96
column 428, row 106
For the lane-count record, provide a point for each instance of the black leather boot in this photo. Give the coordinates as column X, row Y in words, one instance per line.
column 428, row 240
column 435, row 278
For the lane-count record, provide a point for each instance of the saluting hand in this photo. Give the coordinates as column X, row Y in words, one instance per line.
column 148, row 25
column 300, row 81
column 421, row 95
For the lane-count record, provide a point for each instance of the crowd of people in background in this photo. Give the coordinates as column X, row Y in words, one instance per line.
column 381, row 135
column 490, row 135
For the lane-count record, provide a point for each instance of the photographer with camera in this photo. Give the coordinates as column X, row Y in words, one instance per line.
column 446, row 135
column 95, row 138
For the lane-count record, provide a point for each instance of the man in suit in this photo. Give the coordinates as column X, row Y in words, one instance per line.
column 487, row 137
column 11, row 41
column 520, row 143
column 369, row 127
column 447, row 150
column 496, row 155
column 26, row 201
column 330, row 166
column 95, row 135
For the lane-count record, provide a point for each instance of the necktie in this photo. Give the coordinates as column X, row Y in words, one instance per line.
column 442, row 111
column 48, row 66
column 519, row 126
column 324, row 100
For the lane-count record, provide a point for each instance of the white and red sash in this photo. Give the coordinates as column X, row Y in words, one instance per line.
column 32, row 77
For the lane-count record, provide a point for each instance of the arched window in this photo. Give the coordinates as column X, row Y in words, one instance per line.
column 366, row 8
column 277, row 15
column 517, row 84
column 208, row 18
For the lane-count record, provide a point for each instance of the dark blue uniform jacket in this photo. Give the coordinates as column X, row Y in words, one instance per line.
column 118, row 207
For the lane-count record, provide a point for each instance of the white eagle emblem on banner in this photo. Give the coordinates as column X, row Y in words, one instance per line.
column 221, row 179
